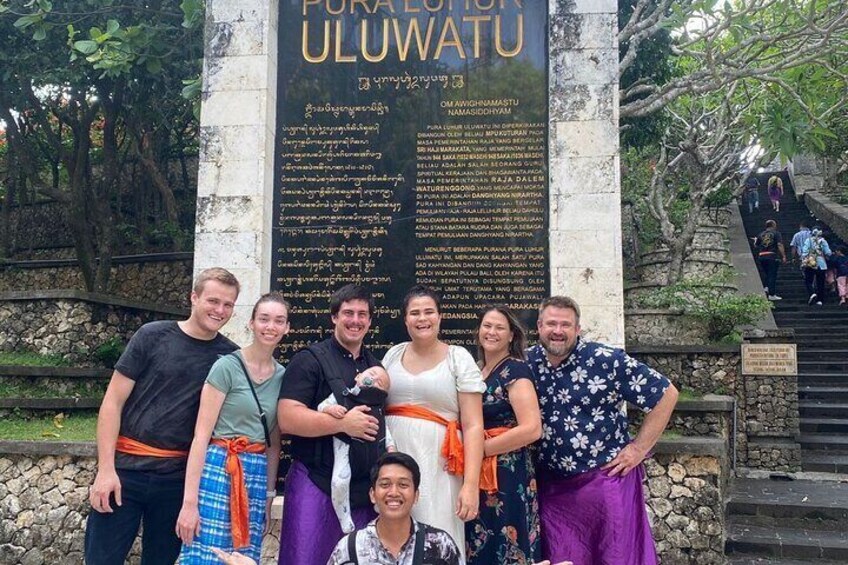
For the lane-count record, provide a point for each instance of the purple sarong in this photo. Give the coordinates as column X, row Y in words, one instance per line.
column 310, row 527
column 595, row 519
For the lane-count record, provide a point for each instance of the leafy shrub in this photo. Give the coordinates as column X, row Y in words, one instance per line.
column 721, row 309
column 110, row 351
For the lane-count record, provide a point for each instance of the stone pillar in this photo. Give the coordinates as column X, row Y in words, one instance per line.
column 585, row 212
column 235, row 179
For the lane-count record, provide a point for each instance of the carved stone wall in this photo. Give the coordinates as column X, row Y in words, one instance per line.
column 71, row 324
column 163, row 279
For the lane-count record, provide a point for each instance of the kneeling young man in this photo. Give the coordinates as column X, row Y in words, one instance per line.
column 394, row 538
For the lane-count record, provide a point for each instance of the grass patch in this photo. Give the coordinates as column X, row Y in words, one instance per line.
column 30, row 359
column 687, row 394
column 61, row 427
column 671, row 434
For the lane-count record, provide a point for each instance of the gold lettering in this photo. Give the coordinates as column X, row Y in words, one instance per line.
column 423, row 46
column 364, row 40
column 410, row 9
column 455, row 42
column 519, row 35
column 363, row 3
column 476, row 21
column 341, row 58
column 308, row 3
column 305, row 46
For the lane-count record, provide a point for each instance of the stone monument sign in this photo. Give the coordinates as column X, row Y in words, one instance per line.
column 411, row 148
column 467, row 144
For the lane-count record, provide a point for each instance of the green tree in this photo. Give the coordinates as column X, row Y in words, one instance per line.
column 91, row 97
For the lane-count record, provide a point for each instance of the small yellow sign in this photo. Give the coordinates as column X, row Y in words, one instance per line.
column 769, row 359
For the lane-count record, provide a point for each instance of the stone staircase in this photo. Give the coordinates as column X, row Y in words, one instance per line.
column 787, row 522
column 821, row 333
column 803, row 521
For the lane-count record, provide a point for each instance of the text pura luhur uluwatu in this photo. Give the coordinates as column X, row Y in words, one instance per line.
column 412, row 29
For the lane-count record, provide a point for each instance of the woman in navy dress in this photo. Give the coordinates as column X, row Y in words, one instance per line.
column 507, row 528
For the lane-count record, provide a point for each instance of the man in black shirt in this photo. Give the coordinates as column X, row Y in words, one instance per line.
column 310, row 527
column 146, row 424
column 768, row 245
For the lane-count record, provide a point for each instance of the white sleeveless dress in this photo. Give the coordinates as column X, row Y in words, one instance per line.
column 435, row 389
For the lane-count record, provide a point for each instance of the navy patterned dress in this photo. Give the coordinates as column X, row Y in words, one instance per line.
column 507, row 530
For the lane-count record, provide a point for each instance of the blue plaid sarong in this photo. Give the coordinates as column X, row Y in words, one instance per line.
column 214, row 507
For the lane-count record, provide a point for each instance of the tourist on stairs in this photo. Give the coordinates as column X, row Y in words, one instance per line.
column 813, row 260
column 769, row 245
column 775, row 192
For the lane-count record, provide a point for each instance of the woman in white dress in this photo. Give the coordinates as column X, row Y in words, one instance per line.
column 436, row 386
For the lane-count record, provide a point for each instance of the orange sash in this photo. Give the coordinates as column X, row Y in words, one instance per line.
column 135, row 447
column 489, row 472
column 451, row 447
column 239, row 514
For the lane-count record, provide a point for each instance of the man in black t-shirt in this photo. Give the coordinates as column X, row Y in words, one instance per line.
column 310, row 527
column 146, row 425
column 768, row 245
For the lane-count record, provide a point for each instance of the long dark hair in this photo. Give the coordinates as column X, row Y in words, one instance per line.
column 517, row 346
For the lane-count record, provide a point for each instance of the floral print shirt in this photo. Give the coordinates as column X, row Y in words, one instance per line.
column 584, row 418
column 439, row 548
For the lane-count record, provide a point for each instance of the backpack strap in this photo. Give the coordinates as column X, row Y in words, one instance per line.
column 352, row 557
column 418, row 553
column 336, row 382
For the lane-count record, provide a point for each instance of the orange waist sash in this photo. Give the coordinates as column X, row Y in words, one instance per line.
column 452, row 446
column 489, row 472
column 134, row 447
column 239, row 512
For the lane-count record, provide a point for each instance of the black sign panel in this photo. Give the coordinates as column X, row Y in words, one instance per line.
column 411, row 148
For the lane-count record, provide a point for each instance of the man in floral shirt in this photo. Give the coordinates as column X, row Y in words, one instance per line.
column 591, row 505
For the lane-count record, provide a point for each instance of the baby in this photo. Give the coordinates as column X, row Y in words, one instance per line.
column 371, row 389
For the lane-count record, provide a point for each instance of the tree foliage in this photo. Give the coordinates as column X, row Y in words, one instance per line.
column 771, row 74
column 90, row 91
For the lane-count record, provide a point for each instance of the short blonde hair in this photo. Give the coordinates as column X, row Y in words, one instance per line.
column 218, row 274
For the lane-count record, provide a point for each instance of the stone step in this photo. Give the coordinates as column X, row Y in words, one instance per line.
column 818, row 354
column 823, row 442
column 818, row 409
column 778, row 541
column 824, row 425
column 50, row 403
column 780, row 500
column 817, row 392
column 824, row 462
column 749, row 560
column 824, row 379
column 822, row 364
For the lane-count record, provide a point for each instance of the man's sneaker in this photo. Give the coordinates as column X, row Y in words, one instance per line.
column 812, row 299
column 774, row 297
column 818, row 303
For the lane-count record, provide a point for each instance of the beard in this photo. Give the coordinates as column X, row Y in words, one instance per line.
column 556, row 349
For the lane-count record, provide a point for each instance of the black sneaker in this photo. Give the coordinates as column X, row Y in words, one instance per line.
column 812, row 298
